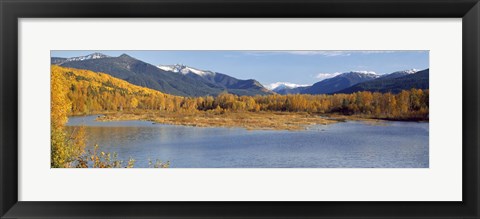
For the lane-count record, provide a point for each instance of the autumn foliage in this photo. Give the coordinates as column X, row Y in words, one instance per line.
column 91, row 92
column 80, row 92
column 66, row 147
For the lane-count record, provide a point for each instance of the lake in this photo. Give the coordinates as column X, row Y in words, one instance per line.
column 351, row 144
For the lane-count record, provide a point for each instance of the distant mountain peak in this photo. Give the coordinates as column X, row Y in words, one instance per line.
column 370, row 73
column 124, row 55
column 98, row 55
column 95, row 55
column 359, row 74
column 284, row 85
column 177, row 79
column 408, row 71
column 394, row 82
column 341, row 81
column 363, row 72
column 287, row 88
column 183, row 69
column 400, row 73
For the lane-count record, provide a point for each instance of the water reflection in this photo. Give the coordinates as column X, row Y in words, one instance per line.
column 346, row 145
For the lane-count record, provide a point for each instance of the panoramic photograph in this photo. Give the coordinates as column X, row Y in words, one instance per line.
column 239, row 109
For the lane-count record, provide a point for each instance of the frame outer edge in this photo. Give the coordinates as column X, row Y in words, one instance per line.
column 471, row 115
column 477, row 65
column 475, row 62
column 8, row 46
column 2, row 54
column 3, row 203
column 9, row 107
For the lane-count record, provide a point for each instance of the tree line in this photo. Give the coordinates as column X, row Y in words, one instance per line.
column 91, row 92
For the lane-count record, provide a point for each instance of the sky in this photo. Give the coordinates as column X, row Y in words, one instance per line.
column 268, row 67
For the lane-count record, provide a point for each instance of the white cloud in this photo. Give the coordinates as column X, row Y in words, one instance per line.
column 323, row 76
column 375, row 51
column 298, row 52
column 328, row 53
column 323, row 53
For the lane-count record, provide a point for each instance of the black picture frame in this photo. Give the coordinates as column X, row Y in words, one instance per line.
column 12, row 10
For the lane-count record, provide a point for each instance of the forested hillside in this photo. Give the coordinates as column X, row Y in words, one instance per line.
column 96, row 92
column 92, row 92
column 147, row 75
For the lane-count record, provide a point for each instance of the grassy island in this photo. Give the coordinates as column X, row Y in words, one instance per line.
column 247, row 120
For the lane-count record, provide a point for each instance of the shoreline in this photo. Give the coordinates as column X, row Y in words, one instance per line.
column 364, row 118
column 291, row 121
column 246, row 120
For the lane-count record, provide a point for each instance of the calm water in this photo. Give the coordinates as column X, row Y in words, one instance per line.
column 341, row 145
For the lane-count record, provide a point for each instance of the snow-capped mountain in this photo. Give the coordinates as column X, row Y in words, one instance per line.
column 410, row 71
column 179, row 68
column 287, row 88
column 219, row 80
column 184, row 80
column 178, row 80
column 284, row 85
column 340, row 82
column 362, row 74
column 394, row 82
column 91, row 56
column 398, row 74
column 59, row 61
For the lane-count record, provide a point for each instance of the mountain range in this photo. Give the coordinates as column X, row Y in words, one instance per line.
column 339, row 82
column 286, row 88
column 179, row 80
column 184, row 80
column 350, row 82
column 233, row 85
column 393, row 83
